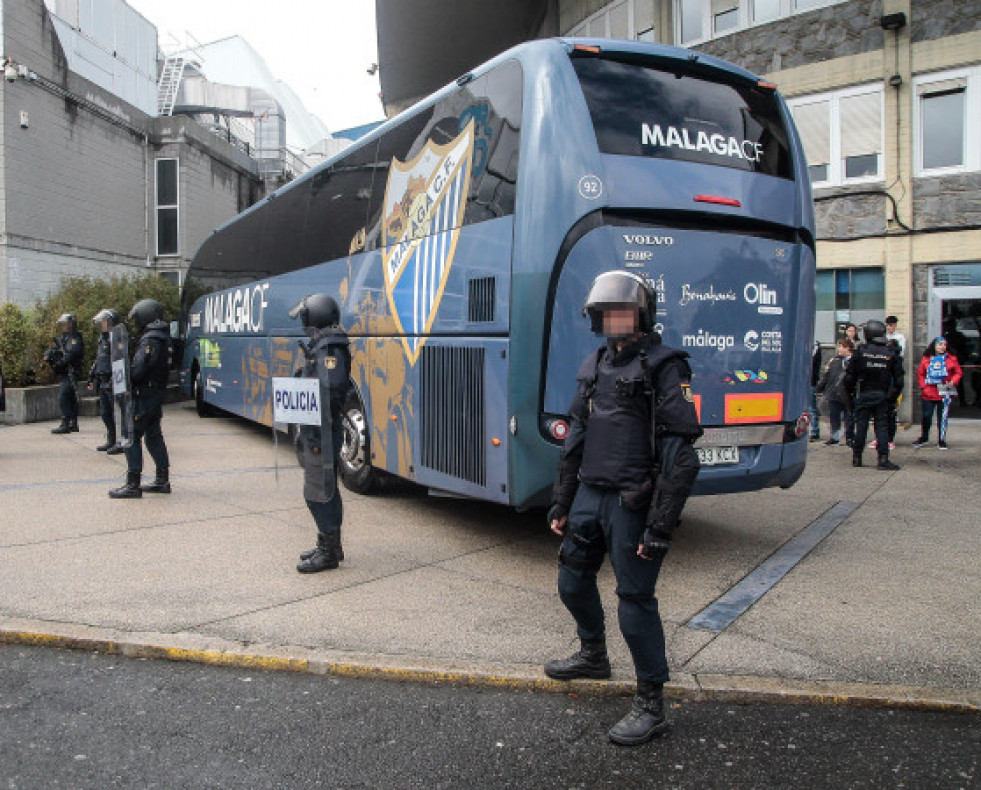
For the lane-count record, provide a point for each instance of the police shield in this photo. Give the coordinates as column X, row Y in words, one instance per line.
column 122, row 389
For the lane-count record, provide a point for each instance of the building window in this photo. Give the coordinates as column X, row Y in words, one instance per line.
column 847, row 296
column 623, row 19
column 700, row 20
column 167, row 203
column 842, row 135
column 947, row 121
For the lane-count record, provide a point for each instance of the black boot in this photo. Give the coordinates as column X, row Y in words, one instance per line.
column 856, row 459
column 885, row 464
column 336, row 544
column 645, row 718
column 116, row 449
column 110, row 443
column 323, row 558
column 65, row 427
column 73, row 425
column 130, row 490
column 160, row 484
column 590, row 662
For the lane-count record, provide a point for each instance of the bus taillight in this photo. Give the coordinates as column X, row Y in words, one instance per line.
column 557, row 429
column 803, row 425
column 722, row 201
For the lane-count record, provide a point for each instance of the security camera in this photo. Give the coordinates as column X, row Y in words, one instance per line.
column 10, row 72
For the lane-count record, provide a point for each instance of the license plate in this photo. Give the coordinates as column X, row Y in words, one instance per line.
column 715, row 456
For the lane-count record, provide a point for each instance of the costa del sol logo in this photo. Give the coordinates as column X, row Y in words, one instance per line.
column 424, row 204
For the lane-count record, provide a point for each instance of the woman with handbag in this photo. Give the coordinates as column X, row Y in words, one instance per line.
column 938, row 375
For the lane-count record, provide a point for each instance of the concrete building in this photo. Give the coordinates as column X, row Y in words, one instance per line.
column 116, row 159
column 886, row 94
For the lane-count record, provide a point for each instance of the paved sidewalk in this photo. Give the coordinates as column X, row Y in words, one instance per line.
column 885, row 610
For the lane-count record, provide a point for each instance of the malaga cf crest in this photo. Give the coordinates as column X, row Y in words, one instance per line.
column 424, row 204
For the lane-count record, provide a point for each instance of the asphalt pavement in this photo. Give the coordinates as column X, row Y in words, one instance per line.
column 74, row 719
column 872, row 578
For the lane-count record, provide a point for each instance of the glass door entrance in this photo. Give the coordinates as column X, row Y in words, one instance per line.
column 961, row 325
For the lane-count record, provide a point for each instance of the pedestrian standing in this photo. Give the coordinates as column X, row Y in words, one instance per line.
column 874, row 380
column 625, row 473
column 812, row 409
column 65, row 358
column 149, row 372
column 100, row 378
column 851, row 333
column 832, row 385
column 938, row 375
column 895, row 336
column 327, row 359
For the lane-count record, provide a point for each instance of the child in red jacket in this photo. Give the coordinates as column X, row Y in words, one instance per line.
column 938, row 375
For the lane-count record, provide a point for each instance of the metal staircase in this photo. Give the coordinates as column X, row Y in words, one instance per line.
column 170, row 83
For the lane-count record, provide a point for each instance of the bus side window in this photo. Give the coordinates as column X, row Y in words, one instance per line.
column 337, row 212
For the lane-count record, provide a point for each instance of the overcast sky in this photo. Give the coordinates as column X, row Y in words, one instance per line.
column 320, row 48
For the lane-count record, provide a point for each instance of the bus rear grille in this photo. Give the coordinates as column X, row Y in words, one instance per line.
column 451, row 419
column 480, row 306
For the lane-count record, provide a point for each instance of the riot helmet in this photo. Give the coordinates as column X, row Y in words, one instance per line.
column 874, row 330
column 317, row 311
column 69, row 320
column 145, row 312
column 107, row 314
column 619, row 290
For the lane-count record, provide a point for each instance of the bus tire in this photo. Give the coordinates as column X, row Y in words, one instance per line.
column 202, row 408
column 354, row 463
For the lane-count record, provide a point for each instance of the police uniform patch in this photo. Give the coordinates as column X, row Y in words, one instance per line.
column 330, row 362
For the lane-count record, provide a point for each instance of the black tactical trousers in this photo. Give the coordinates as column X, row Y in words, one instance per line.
column 106, row 410
column 147, row 413
column 600, row 524
column 875, row 406
column 68, row 398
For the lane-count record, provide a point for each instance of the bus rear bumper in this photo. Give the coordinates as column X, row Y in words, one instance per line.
column 762, row 466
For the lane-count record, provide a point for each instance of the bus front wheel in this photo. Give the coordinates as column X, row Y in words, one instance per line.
column 355, row 457
column 202, row 408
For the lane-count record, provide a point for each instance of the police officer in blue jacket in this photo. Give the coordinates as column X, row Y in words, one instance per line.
column 625, row 473
column 327, row 358
column 65, row 359
column 148, row 371
column 100, row 377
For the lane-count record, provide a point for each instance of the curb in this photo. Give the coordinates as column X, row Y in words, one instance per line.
column 740, row 689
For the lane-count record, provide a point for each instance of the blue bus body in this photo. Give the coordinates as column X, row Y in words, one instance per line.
column 462, row 271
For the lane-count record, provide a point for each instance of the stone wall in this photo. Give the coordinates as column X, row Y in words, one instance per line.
column 849, row 216
column 836, row 31
column 947, row 201
column 933, row 19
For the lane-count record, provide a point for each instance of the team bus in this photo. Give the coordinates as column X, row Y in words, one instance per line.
column 460, row 239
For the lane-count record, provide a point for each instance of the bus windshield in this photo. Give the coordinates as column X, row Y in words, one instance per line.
column 642, row 110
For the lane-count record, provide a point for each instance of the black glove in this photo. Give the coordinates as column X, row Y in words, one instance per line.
column 655, row 545
column 556, row 513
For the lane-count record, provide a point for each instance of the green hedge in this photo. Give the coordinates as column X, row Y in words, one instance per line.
column 24, row 335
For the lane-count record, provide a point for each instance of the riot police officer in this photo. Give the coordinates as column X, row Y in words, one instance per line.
column 65, row 359
column 874, row 380
column 625, row 473
column 149, row 371
column 328, row 359
column 100, row 377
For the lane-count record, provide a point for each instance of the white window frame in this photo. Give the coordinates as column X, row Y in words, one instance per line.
column 836, row 167
column 972, row 121
column 787, row 8
column 157, row 206
column 582, row 29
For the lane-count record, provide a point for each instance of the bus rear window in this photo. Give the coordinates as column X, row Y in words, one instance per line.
column 638, row 110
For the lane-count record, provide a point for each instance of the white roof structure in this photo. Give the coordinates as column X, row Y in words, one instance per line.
column 233, row 61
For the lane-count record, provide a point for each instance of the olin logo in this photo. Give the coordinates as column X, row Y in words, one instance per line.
column 764, row 297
